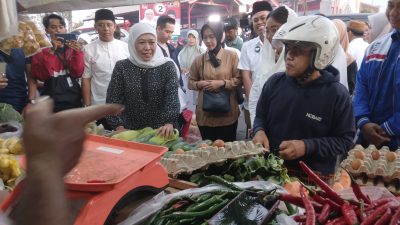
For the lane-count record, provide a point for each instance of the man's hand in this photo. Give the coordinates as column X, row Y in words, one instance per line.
column 75, row 45
column 261, row 138
column 166, row 131
column 374, row 134
column 3, row 81
column 57, row 43
column 294, row 149
column 59, row 137
column 214, row 85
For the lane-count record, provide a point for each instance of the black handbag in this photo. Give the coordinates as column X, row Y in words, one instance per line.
column 64, row 90
column 215, row 102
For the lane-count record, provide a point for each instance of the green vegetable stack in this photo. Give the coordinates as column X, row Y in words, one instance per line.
column 257, row 167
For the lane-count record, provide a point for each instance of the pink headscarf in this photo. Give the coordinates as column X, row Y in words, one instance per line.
column 344, row 39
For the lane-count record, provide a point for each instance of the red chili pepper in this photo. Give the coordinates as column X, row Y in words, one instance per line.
column 324, row 186
column 335, row 221
column 310, row 212
column 396, row 217
column 300, row 218
column 357, row 189
column 323, row 217
column 333, row 205
column 374, row 216
column 378, row 203
column 385, row 218
column 297, row 201
column 349, row 214
column 291, row 199
column 319, row 199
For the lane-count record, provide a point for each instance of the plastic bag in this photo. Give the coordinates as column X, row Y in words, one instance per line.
column 17, row 133
column 31, row 38
column 8, row 19
column 144, row 211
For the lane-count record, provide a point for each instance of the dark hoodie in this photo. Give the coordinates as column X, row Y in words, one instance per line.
column 320, row 113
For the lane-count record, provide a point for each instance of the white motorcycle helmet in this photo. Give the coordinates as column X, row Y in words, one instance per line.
column 317, row 31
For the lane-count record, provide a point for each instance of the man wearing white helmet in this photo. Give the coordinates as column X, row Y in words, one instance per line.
column 305, row 113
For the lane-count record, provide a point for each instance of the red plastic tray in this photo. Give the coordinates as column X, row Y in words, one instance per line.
column 106, row 162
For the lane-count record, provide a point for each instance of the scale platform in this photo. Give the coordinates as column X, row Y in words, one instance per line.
column 109, row 172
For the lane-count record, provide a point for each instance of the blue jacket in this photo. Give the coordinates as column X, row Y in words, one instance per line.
column 319, row 113
column 377, row 93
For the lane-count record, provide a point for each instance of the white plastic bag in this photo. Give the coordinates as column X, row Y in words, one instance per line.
column 16, row 133
column 144, row 211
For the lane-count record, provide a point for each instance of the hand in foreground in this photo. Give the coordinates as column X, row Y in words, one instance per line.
column 166, row 131
column 293, row 149
column 374, row 134
column 261, row 138
column 59, row 136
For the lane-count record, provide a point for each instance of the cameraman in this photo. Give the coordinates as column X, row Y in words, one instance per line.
column 59, row 67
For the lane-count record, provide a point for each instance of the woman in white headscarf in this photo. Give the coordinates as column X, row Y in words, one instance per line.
column 273, row 59
column 146, row 85
column 186, row 57
column 350, row 60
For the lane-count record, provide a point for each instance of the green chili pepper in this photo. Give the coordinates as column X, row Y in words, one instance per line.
column 223, row 182
column 206, row 204
column 203, row 214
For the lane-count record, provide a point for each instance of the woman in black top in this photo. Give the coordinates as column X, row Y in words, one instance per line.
column 146, row 85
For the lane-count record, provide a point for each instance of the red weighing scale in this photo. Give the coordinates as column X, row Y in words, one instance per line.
column 108, row 173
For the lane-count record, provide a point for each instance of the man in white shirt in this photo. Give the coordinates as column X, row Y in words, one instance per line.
column 165, row 28
column 100, row 58
column 357, row 46
column 251, row 52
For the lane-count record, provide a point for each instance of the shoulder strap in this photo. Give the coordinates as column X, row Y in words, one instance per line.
column 64, row 61
column 202, row 66
column 163, row 50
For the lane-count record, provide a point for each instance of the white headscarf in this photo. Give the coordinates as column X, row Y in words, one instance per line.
column 135, row 32
column 85, row 37
column 380, row 26
column 189, row 53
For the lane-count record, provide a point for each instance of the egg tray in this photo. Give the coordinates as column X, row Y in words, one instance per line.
column 379, row 172
column 201, row 158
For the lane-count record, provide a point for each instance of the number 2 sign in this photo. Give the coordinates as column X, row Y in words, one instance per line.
column 160, row 8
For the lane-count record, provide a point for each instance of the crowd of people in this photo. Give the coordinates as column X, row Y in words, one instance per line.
column 313, row 87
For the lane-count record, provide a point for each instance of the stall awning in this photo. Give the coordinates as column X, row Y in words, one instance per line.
column 43, row 6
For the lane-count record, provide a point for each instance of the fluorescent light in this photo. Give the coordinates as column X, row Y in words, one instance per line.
column 214, row 18
column 243, row 8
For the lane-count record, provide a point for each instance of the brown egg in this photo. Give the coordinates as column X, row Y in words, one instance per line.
column 391, row 156
column 356, row 164
column 218, row 143
column 375, row 155
column 359, row 154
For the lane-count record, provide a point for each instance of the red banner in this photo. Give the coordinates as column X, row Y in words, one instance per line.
column 149, row 13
